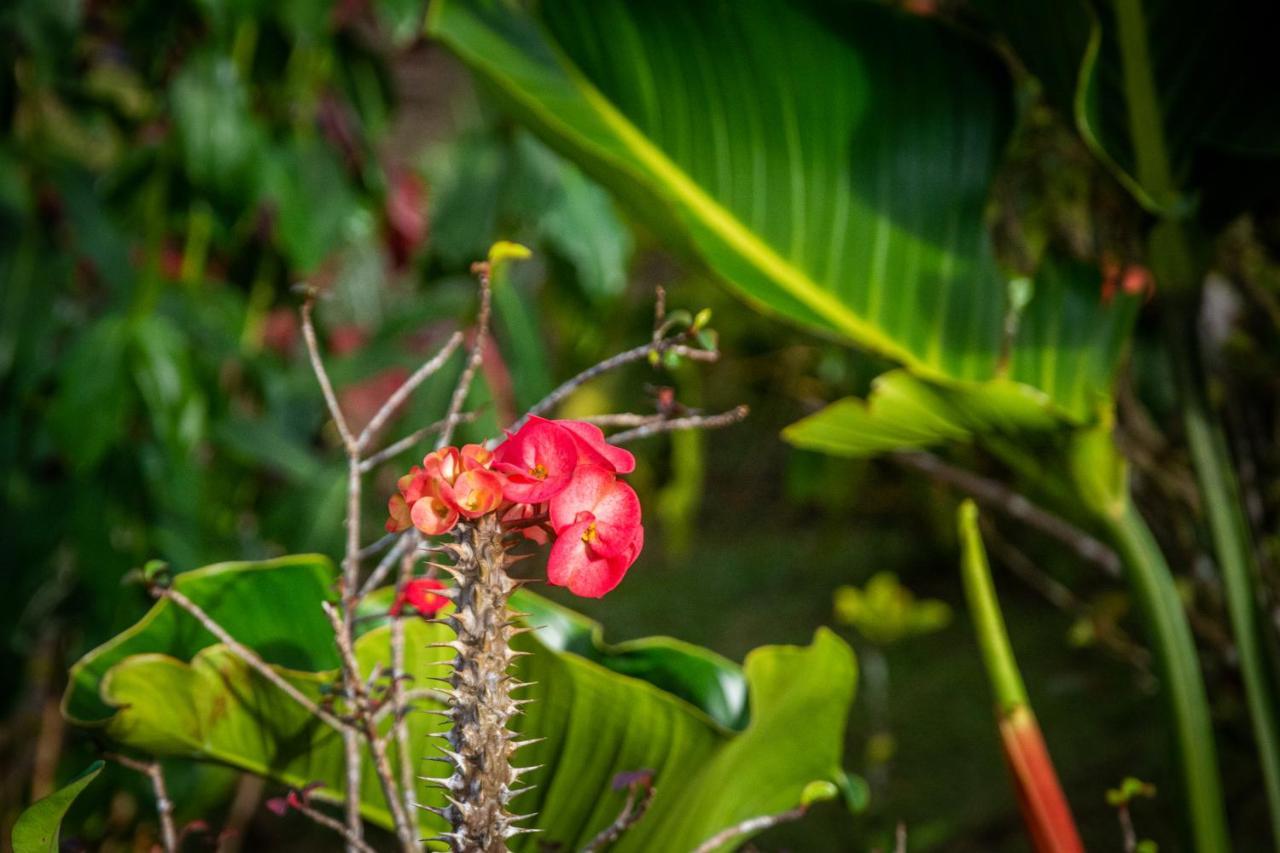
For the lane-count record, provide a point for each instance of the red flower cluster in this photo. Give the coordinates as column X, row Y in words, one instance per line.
column 564, row 470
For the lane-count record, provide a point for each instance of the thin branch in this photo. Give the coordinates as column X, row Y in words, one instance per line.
column 473, row 361
column 999, row 496
column 900, row 838
column 751, row 825
column 395, row 449
column 322, row 375
column 723, row 419
column 622, row 419
column 164, row 805
column 379, row 544
column 410, row 697
column 353, row 841
column 406, row 388
column 350, row 564
column 379, row 574
column 398, row 697
column 249, row 656
column 630, row 814
column 639, row 353
column 377, row 746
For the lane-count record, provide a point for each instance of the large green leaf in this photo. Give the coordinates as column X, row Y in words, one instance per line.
column 830, row 162
column 656, row 704
column 38, row 827
column 832, row 167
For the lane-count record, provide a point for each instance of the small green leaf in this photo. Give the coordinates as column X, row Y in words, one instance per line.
column 38, row 827
column 819, row 791
column 504, row 250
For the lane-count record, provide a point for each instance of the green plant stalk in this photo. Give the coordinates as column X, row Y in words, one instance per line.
column 1045, row 810
column 1170, row 637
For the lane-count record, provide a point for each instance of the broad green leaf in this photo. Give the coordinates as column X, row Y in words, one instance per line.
column 38, row 827
column 838, row 177
column 832, row 167
column 650, row 704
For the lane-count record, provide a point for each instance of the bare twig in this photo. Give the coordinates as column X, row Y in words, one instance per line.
column 391, row 450
column 612, row 363
column 353, row 841
column 379, row 544
column 164, row 805
column 322, row 375
column 622, row 419
column 999, row 496
column 1113, row 637
column 398, row 692
column 900, row 838
column 249, row 656
column 473, row 360
column 407, row 540
column 350, row 565
column 630, row 814
column 406, row 388
column 755, row 824
column 377, row 746
column 723, row 419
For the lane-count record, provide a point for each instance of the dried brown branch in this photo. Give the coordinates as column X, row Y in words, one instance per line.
column 631, row 812
column 395, row 449
column 406, row 388
column 350, row 564
column 364, row 715
column 354, row 842
column 249, row 656
column 407, row 541
column 322, row 375
column 635, row 354
column 164, row 805
column 473, row 360
column 398, row 698
column 622, row 419
column 723, row 419
column 1000, row 497
column 749, row 826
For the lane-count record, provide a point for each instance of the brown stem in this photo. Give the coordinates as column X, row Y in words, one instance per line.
column 635, row 354
column 354, row 842
column 630, row 814
column 724, row 419
column 350, row 566
column 249, row 656
column 755, row 824
column 473, row 360
column 406, row 388
column 1000, row 497
column 364, row 716
column 398, row 698
column 164, row 805
column 480, row 744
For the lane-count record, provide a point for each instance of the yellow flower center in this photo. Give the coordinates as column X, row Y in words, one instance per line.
column 589, row 535
column 538, row 472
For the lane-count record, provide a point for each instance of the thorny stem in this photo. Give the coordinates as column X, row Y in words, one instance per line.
column 364, row 716
column 164, row 805
column 480, row 744
column 749, row 826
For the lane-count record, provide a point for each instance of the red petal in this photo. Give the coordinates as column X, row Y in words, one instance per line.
column 593, row 448
column 538, row 446
column 433, row 517
column 612, row 503
column 575, row 565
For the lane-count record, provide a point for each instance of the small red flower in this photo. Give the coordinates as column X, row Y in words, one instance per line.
column 433, row 515
column 598, row 532
column 420, row 593
column 475, row 493
column 537, row 461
